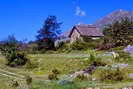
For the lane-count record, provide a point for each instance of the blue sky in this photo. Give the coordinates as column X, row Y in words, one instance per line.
column 23, row 18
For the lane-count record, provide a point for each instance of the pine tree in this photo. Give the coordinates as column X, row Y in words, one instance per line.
column 49, row 33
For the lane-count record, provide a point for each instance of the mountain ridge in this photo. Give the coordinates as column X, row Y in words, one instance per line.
column 114, row 16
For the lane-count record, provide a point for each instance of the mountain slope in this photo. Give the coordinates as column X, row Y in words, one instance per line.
column 116, row 15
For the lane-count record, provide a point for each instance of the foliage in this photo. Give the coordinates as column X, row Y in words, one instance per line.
column 81, row 78
column 55, row 71
column 123, row 56
column 94, row 60
column 60, row 44
column 119, row 32
column 28, row 80
column 65, row 47
column 14, row 84
column 16, row 59
column 79, row 45
column 106, row 46
column 9, row 49
column 65, row 63
column 118, row 48
column 48, row 33
column 110, row 74
column 54, row 75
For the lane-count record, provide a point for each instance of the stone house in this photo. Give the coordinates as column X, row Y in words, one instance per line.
column 85, row 33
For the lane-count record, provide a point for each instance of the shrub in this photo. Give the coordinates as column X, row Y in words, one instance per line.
column 10, row 49
column 98, row 63
column 79, row 45
column 123, row 56
column 14, row 84
column 60, row 44
column 106, row 46
column 28, row 80
column 54, row 74
column 16, row 59
column 52, row 77
column 118, row 48
column 81, row 77
column 110, row 74
column 94, row 59
column 64, row 48
column 55, row 71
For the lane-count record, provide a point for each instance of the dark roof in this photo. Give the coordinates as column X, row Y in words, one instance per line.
column 87, row 30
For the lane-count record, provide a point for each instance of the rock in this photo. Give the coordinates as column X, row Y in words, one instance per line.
column 66, row 79
column 130, row 87
column 93, row 79
column 63, row 82
column 92, row 88
column 114, row 54
column 90, row 69
column 119, row 65
column 88, row 88
column 129, row 49
column 130, row 75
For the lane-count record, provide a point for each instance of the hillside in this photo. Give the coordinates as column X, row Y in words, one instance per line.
column 116, row 15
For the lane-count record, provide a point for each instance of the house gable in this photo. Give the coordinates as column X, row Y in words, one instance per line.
column 75, row 35
column 89, row 31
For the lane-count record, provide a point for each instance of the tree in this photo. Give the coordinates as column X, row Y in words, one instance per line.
column 49, row 33
column 119, row 32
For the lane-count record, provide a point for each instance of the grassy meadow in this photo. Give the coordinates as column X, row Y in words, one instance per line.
column 66, row 63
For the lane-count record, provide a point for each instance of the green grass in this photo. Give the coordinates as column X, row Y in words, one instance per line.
column 65, row 63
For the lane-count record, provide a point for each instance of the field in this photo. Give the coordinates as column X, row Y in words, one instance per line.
column 66, row 63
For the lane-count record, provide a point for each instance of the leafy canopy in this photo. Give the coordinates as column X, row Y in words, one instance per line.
column 49, row 33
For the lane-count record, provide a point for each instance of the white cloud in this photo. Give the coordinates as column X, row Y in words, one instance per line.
column 80, row 12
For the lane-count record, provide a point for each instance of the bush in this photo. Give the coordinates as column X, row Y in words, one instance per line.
column 10, row 49
column 15, row 58
column 55, row 71
column 79, row 45
column 52, row 77
column 28, row 80
column 54, row 74
column 123, row 56
column 14, row 84
column 94, row 59
column 64, row 48
column 81, row 77
column 110, row 74
column 106, row 46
